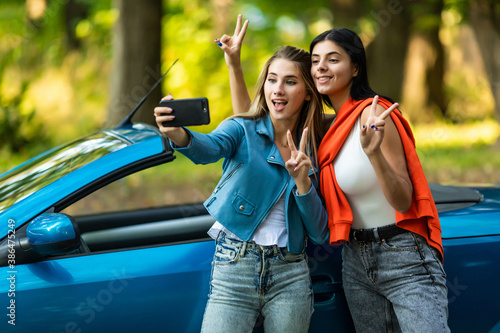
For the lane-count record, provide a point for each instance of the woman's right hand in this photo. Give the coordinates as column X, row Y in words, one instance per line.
column 162, row 114
column 231, row 45
column 299, row 164
column 177, row 135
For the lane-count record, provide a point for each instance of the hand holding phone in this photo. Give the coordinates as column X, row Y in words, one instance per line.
column 187, row 112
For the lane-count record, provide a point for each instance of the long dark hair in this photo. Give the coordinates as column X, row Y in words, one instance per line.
column 352, row 44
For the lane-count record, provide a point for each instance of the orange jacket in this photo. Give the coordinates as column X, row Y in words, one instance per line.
column 422, row 217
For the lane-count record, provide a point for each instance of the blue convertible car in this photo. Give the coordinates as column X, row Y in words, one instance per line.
column 148, row 270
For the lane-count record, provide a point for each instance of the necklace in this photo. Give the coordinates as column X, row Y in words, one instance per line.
column 280, row 144
column 284, row 146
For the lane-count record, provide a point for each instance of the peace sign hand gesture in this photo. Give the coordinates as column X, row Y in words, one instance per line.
column 299, row 163
column 372, row 132
column 231, row 45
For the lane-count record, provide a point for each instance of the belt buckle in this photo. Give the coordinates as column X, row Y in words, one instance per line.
column 354, row 232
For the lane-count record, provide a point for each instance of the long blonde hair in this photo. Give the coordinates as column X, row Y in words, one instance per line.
column 312, row 110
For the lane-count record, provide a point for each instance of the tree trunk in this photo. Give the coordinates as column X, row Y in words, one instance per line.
column 346, row 13
column 423, row 86
column 137, row 60
column 74, row 12
column 386, row 53
column 485, row 21
column 435, row 71
column 423, row 89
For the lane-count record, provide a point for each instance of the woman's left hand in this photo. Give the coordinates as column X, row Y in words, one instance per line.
column 372, row 132
column 231, row 45
column 299, row 163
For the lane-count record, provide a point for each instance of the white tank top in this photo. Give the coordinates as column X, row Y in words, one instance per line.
column 357, row 179
column 272, row 231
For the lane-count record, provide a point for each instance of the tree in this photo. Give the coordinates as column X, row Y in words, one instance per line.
column 137, row 59
column 485, row 20
column 386, row 53
column 423, row 87
column 74, row 12
column 346, row 13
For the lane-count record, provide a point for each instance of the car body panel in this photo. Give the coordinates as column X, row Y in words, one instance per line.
column 464, row 222
column 86, row 291
column 472, row 266
column 471, row 242
column 152, row 269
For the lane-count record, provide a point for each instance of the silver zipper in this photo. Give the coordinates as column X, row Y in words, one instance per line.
column 227, row 178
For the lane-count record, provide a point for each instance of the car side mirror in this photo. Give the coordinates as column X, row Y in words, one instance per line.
column 52, row 234
column 48, row 234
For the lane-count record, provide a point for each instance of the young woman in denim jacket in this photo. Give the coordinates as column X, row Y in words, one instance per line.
column 266, row 204
column 378, row 200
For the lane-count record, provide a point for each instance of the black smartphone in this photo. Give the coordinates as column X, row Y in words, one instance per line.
column 187, row 112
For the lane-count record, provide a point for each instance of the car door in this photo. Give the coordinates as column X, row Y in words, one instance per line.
column 128, row 287
column 331, row 313
column 470, row 222
column 157, row 288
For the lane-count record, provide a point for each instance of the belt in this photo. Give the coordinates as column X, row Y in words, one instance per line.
column 368, row 235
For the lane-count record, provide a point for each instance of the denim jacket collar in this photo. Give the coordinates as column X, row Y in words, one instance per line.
column 264, row 126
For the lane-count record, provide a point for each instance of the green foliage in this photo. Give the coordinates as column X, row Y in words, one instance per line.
column 201, row 71
column 13, row 133
column 50, row 94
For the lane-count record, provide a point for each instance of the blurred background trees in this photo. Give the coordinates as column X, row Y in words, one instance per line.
column 69, row 67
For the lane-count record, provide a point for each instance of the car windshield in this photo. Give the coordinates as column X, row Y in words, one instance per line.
column 47, row 168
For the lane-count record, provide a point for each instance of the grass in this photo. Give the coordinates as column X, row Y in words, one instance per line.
column 460, row 154
column 476, row 164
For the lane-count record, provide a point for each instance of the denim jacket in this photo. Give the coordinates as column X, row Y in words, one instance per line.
column 254, row 178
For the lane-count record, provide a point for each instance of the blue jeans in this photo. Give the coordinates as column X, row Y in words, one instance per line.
column 249, row 280
column 395, row 285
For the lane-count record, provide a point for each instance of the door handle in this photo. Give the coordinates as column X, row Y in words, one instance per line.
column 327, row 287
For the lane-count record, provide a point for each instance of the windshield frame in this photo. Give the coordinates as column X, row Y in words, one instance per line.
column 36, row 173
column 137, row 146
